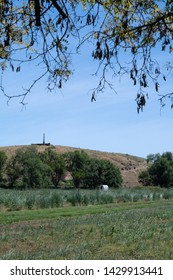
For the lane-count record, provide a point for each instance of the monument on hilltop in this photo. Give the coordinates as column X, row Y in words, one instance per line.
column 43, row 143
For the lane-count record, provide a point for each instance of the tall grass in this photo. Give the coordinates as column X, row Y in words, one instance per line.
column 47, row 198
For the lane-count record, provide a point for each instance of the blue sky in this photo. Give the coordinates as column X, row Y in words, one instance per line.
column 69, row 118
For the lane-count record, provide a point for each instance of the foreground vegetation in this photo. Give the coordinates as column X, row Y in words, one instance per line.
column 118, row 224
column 12, row 200
column 140, row 230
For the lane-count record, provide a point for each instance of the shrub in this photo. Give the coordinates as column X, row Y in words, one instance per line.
column 56, row 200
column 30, row 201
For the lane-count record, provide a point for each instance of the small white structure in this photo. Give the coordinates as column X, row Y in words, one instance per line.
column 103, row 187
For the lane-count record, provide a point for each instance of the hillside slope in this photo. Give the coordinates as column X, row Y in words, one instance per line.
column 129, row 165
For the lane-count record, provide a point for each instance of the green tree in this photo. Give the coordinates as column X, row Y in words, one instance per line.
column 26, row 169
column 90, row 172
column 35, row 173
column 159, row 172
column 76, row 163
column 115, row 29
column 99, row 172
column 93, row 173
column 13, row 172
column 168, row 156
column 145, row 178
column 152, row 157
column 111, row 174
column 56, row 163
column 3, row 159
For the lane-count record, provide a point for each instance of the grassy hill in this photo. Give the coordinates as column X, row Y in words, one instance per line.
column 129, row 165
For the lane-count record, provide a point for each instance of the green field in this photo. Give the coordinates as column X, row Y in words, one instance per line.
column 122, row 229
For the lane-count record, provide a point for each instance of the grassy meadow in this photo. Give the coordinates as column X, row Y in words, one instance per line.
column 87, row 224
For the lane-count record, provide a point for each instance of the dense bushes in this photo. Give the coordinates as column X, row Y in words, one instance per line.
column 28, row 168
column 91, row 172
column 159, row 172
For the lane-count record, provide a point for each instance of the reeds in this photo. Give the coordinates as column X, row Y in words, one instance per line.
column 48, row 198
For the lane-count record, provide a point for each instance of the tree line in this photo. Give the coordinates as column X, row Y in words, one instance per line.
column 159, row 171
column 28, row 168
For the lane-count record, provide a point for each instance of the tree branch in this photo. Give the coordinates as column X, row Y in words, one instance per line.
column 37, row 12
column 59, row 9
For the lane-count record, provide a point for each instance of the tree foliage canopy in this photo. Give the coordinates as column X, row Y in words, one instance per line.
column 26, row 169
column 160, row 171
column 98, row 172
column 91, row 172
column 41, row 31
